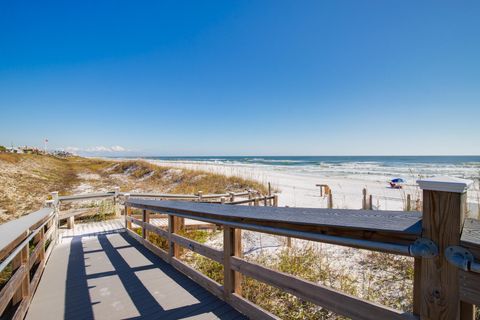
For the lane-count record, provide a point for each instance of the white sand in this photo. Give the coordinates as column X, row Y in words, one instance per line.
column 299, row 190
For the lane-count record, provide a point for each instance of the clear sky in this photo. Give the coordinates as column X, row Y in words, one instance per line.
column 242, row 77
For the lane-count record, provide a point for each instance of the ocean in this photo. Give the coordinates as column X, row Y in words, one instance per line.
column 407, row 167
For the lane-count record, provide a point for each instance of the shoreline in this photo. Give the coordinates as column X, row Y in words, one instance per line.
column 296, row 186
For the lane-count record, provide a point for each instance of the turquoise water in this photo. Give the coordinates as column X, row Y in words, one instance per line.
column 401, row 166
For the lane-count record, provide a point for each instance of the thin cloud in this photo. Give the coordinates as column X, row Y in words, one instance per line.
column 96, row 149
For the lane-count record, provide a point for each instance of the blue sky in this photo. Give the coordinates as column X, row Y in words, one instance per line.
column 242, row 77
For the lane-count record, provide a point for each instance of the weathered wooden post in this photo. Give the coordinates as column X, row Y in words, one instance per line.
column 200, row 194
column 222, row 200
column 232, row 196
column 275, row 200
column 21, row 260
column 444, row 202
column 249, row 197
column 269, row 189
column 232, row 247
column 144, row 219
column 173, row 227
column 364, row 199
column 116, row 206
column 128, row 224
column 256, row 202
column 409, row 202
column 330, row 201
column 370, row 202
column 56, row 208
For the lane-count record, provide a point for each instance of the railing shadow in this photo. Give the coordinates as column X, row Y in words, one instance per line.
column 78, row 299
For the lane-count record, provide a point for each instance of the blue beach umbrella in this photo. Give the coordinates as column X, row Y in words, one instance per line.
column 397, row 180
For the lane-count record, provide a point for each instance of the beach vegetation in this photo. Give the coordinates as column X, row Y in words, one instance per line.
column 27, row 180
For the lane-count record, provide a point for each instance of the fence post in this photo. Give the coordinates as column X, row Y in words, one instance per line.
column 409, row 202
column 275, row 200
column 418, row 205
column 116, row 195
column 232, row 246
column 173, row 227
column 232, row 196
column 144, row 220
column 364, row 199
column 444, row 202
column 21, row 259
column 330, row 201
column 56, row 208
column 128, row 224
column 200, row 194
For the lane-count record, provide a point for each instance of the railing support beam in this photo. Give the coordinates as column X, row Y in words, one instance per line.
column 232, row 247
column 443, row 217
column 173, row 227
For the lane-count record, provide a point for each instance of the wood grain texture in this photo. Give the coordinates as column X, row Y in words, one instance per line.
column 211, row 253
column 443, row 215
column 471, row 236
column 390, row 226
column 417, row 286
column 174, row 249
column 333, row 300
column 232, row 247
column 14, row 232
column 391, row 221
column 469, row 287
column 11, row 287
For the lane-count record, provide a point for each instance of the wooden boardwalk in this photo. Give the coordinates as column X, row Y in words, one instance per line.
column 98, row 272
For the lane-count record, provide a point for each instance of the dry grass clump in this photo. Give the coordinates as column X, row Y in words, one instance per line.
column 5, row 275
column 388, row 280
column 194, row 181
column 148, row 176
column 304, row 263
column 101, row 211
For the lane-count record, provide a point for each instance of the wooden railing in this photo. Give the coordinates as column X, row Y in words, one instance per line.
column 445, row 246
column 25, row 246
column 441, row 289
column 234, row 198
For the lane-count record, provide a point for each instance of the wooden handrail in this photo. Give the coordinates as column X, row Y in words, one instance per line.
column 86, row 196
column 115, row 195
column 182, row 196
column 15, row 238
column 295, row 222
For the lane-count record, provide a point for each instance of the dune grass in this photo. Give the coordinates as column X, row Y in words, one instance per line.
column 27, row 179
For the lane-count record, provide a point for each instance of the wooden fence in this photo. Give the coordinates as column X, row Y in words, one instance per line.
column 446, row 286
column 444, row 244
column 232, row 198
column 25, row 246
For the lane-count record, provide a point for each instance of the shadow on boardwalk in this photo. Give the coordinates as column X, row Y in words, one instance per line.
column 111, row 276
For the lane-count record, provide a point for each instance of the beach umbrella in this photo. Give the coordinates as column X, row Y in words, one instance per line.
column 397, row 180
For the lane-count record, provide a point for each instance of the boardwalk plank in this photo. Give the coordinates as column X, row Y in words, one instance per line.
column 97, row 271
